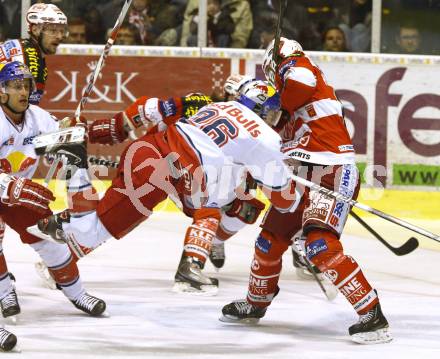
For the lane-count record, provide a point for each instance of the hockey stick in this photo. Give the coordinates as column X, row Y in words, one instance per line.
column 101, row 60
column 330, row 296
column 352, row 202
column 406, row 248
column 93, row 78
column 276, row 45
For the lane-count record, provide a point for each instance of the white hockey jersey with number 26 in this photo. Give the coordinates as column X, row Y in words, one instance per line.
column 229, row 139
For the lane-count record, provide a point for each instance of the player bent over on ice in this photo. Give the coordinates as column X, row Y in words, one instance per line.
column 189, row 158
column 317, row 138
column 236, row 214
column 22, row 201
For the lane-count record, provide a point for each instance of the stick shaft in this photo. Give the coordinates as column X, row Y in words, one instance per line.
column 366, row 208
column 101, row 60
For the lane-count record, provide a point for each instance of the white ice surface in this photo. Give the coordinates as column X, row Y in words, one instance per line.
column 135, row 275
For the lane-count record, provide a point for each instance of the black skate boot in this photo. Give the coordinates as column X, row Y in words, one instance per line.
column 240, row 311
column 9, row 304
column 90, row 305
column 190, row 279
column 217, row 255
column 372, row 328
column 7, row 340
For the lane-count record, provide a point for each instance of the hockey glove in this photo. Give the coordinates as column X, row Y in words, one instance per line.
column 246, row 211
column 24, row 192
column 108, row 131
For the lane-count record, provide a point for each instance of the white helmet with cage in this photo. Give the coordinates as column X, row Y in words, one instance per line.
column 286, row 49
column 39, row 14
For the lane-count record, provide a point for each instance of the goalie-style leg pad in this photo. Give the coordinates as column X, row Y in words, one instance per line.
column 324, row 250
column 266, row 268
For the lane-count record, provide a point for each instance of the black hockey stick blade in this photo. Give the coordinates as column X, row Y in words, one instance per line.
column 409, row 246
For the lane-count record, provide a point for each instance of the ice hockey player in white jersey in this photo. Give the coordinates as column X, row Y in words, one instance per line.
column 234, row 216
column 202, row 157
column 22, row 201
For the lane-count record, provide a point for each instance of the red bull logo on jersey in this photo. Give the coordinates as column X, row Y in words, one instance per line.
column 16, row 162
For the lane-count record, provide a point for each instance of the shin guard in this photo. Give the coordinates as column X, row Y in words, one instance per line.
column 325, row 251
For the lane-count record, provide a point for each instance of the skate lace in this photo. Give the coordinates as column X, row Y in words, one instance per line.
column 365, row 318
column 218, row 251
column 243, row 307
column 10, row 300
column 86, row 301
column 4, row 334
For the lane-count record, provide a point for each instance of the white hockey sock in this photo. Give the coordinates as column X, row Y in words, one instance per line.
column 87, row 230
column 73, row 290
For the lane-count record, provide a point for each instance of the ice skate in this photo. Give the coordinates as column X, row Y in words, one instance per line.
column 8, row 340
column 90, row 305
column 190, row 279
column 43, row 273
column 10, row 307
column 217, row 255
column 372, row 328
column 240, row 311
column 51, row 228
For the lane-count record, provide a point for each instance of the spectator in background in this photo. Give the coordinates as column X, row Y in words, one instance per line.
column 95, row 30
column 408, row 40
column 333, row 39
column 220, row 25
column 266, row 36
column 110, row 12
column 77, row 32
column 10, row 15
column 321, row 14
column 265, row 17
column 140, row 17
column 356, row 24
column 128, row 34
column 72, row 9
column 240, row 13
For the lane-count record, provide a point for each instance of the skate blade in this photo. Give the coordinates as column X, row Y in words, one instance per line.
column 104, row 314
column 43, row 273
column 377, row 337
column 304, row 274
column 234, row 320
column 37, row 233
column 331, row 292
column 205, row 290
column 16, row 350
column 12, row 320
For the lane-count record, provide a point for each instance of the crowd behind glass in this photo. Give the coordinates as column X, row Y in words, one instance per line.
column 408, row 26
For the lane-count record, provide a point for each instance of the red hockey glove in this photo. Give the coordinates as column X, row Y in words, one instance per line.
column 246, row 211
column 24, row 192
column 108, row 131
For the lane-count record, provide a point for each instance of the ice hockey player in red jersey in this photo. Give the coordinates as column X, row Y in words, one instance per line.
column 23, row 201
column 318, row 144
column 202, row 157
column 236, row 214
